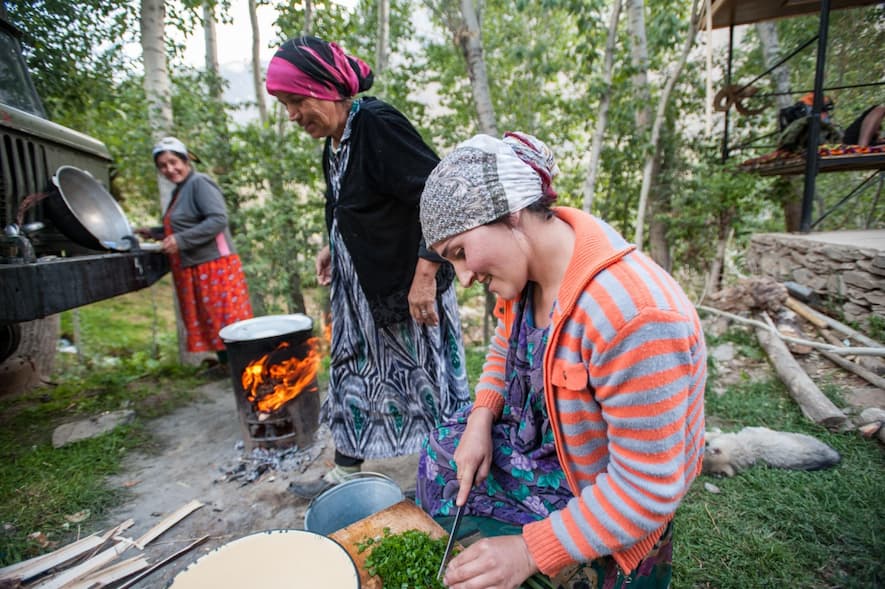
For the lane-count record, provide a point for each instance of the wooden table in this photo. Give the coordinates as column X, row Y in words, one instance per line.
column 400, row 517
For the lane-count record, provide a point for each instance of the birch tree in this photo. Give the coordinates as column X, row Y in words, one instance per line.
column 257, row 81
column 157, row 86
column 604, row 102
column 382, row 49
column 158, row 90
column 211, row 42
column 464, row 26
column 653, row 150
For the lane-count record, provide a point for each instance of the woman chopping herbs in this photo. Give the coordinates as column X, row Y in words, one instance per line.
column 588, row 424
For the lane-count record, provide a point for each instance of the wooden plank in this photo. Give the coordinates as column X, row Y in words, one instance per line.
column 400, row 517
column 111, row 574
column 169, row 521
column 30, row 568
column 40, row 564
column 105, row 557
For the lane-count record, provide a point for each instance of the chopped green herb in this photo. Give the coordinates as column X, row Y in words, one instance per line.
column 407, row 560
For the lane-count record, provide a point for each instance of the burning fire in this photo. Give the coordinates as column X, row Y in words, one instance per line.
column 269, row 387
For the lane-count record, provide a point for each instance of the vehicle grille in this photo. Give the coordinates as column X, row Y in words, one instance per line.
column 23, row 171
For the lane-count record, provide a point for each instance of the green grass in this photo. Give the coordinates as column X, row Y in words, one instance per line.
column 778, row 528
column 121, row 365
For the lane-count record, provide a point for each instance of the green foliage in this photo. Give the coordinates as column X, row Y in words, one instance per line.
column 407, row 559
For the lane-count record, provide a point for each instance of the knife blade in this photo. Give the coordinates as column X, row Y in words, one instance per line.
column 451, row 543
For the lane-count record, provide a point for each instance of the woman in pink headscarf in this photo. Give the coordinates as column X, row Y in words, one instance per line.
column 397, row 366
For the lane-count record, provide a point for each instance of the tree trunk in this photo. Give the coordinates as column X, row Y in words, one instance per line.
column 642, row 113
column 211, row 38
column 639, row 61
column 383, row 47
column 604, row 102
column 812, row 402
column 308, row 17
column 256, row 62
column 648, row 172
column 724, row 236
column 469, row 39
column 158, row 90
column 768, row 38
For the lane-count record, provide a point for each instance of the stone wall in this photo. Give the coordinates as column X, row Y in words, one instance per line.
column 845, row 269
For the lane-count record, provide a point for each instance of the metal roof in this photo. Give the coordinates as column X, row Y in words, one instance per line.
column 742, row 12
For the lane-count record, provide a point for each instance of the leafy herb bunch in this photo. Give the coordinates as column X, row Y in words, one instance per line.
column 406, row 560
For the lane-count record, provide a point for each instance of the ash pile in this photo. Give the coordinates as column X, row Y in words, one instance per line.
column 249, row 466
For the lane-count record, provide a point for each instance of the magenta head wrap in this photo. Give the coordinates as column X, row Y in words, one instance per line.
column 308, row 66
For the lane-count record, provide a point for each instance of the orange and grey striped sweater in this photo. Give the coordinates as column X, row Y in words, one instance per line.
column 624, row 369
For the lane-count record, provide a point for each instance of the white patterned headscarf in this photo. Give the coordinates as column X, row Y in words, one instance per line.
column 484, row 179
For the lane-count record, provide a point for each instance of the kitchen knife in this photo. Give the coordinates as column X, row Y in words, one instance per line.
column 451, row 542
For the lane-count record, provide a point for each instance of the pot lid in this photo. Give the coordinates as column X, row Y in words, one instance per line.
column 264, row 327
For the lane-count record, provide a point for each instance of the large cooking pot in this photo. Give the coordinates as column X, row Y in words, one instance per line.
column 86, row 213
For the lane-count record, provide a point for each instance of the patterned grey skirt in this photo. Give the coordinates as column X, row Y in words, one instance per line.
column 390, row 386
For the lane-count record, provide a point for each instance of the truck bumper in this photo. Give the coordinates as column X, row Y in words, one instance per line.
column 36, row 290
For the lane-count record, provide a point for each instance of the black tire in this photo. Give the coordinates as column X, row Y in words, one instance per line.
column 29, row 349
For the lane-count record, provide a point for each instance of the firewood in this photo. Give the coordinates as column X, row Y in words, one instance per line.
column 160, row 563
column 804, row 311
column 812, row 402
column 869, row 376
column 105, row 557
column 169, row 521
column 111, row 574
column 873, row 351
column 38, row 565
column 840, row 327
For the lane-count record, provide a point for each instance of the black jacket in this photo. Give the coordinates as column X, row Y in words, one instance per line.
column 377, row 207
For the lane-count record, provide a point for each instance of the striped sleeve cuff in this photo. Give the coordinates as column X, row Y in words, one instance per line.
column 491, row 400
column 549, row 554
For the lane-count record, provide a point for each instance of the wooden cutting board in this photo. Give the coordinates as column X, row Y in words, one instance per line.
column 400, row 517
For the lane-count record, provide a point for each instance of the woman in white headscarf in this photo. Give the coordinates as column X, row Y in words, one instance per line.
column 206, row 269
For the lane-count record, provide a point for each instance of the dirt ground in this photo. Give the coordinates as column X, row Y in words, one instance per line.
column 198, row 444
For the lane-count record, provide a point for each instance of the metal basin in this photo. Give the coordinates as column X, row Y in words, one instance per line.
column 363, row 494
column 86, row 212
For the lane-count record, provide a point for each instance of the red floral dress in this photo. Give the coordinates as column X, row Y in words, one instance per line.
column 210, row 295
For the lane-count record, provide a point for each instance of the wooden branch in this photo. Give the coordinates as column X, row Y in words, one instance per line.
column 813, row 403
column 868, row 375
column 160, row 563
column 840, row 327
column 804, row 311
column 842, row 351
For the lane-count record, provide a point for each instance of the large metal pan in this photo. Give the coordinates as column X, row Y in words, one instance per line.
column 86, row 213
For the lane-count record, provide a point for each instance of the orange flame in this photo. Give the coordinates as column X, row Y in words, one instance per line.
column 291, row 376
